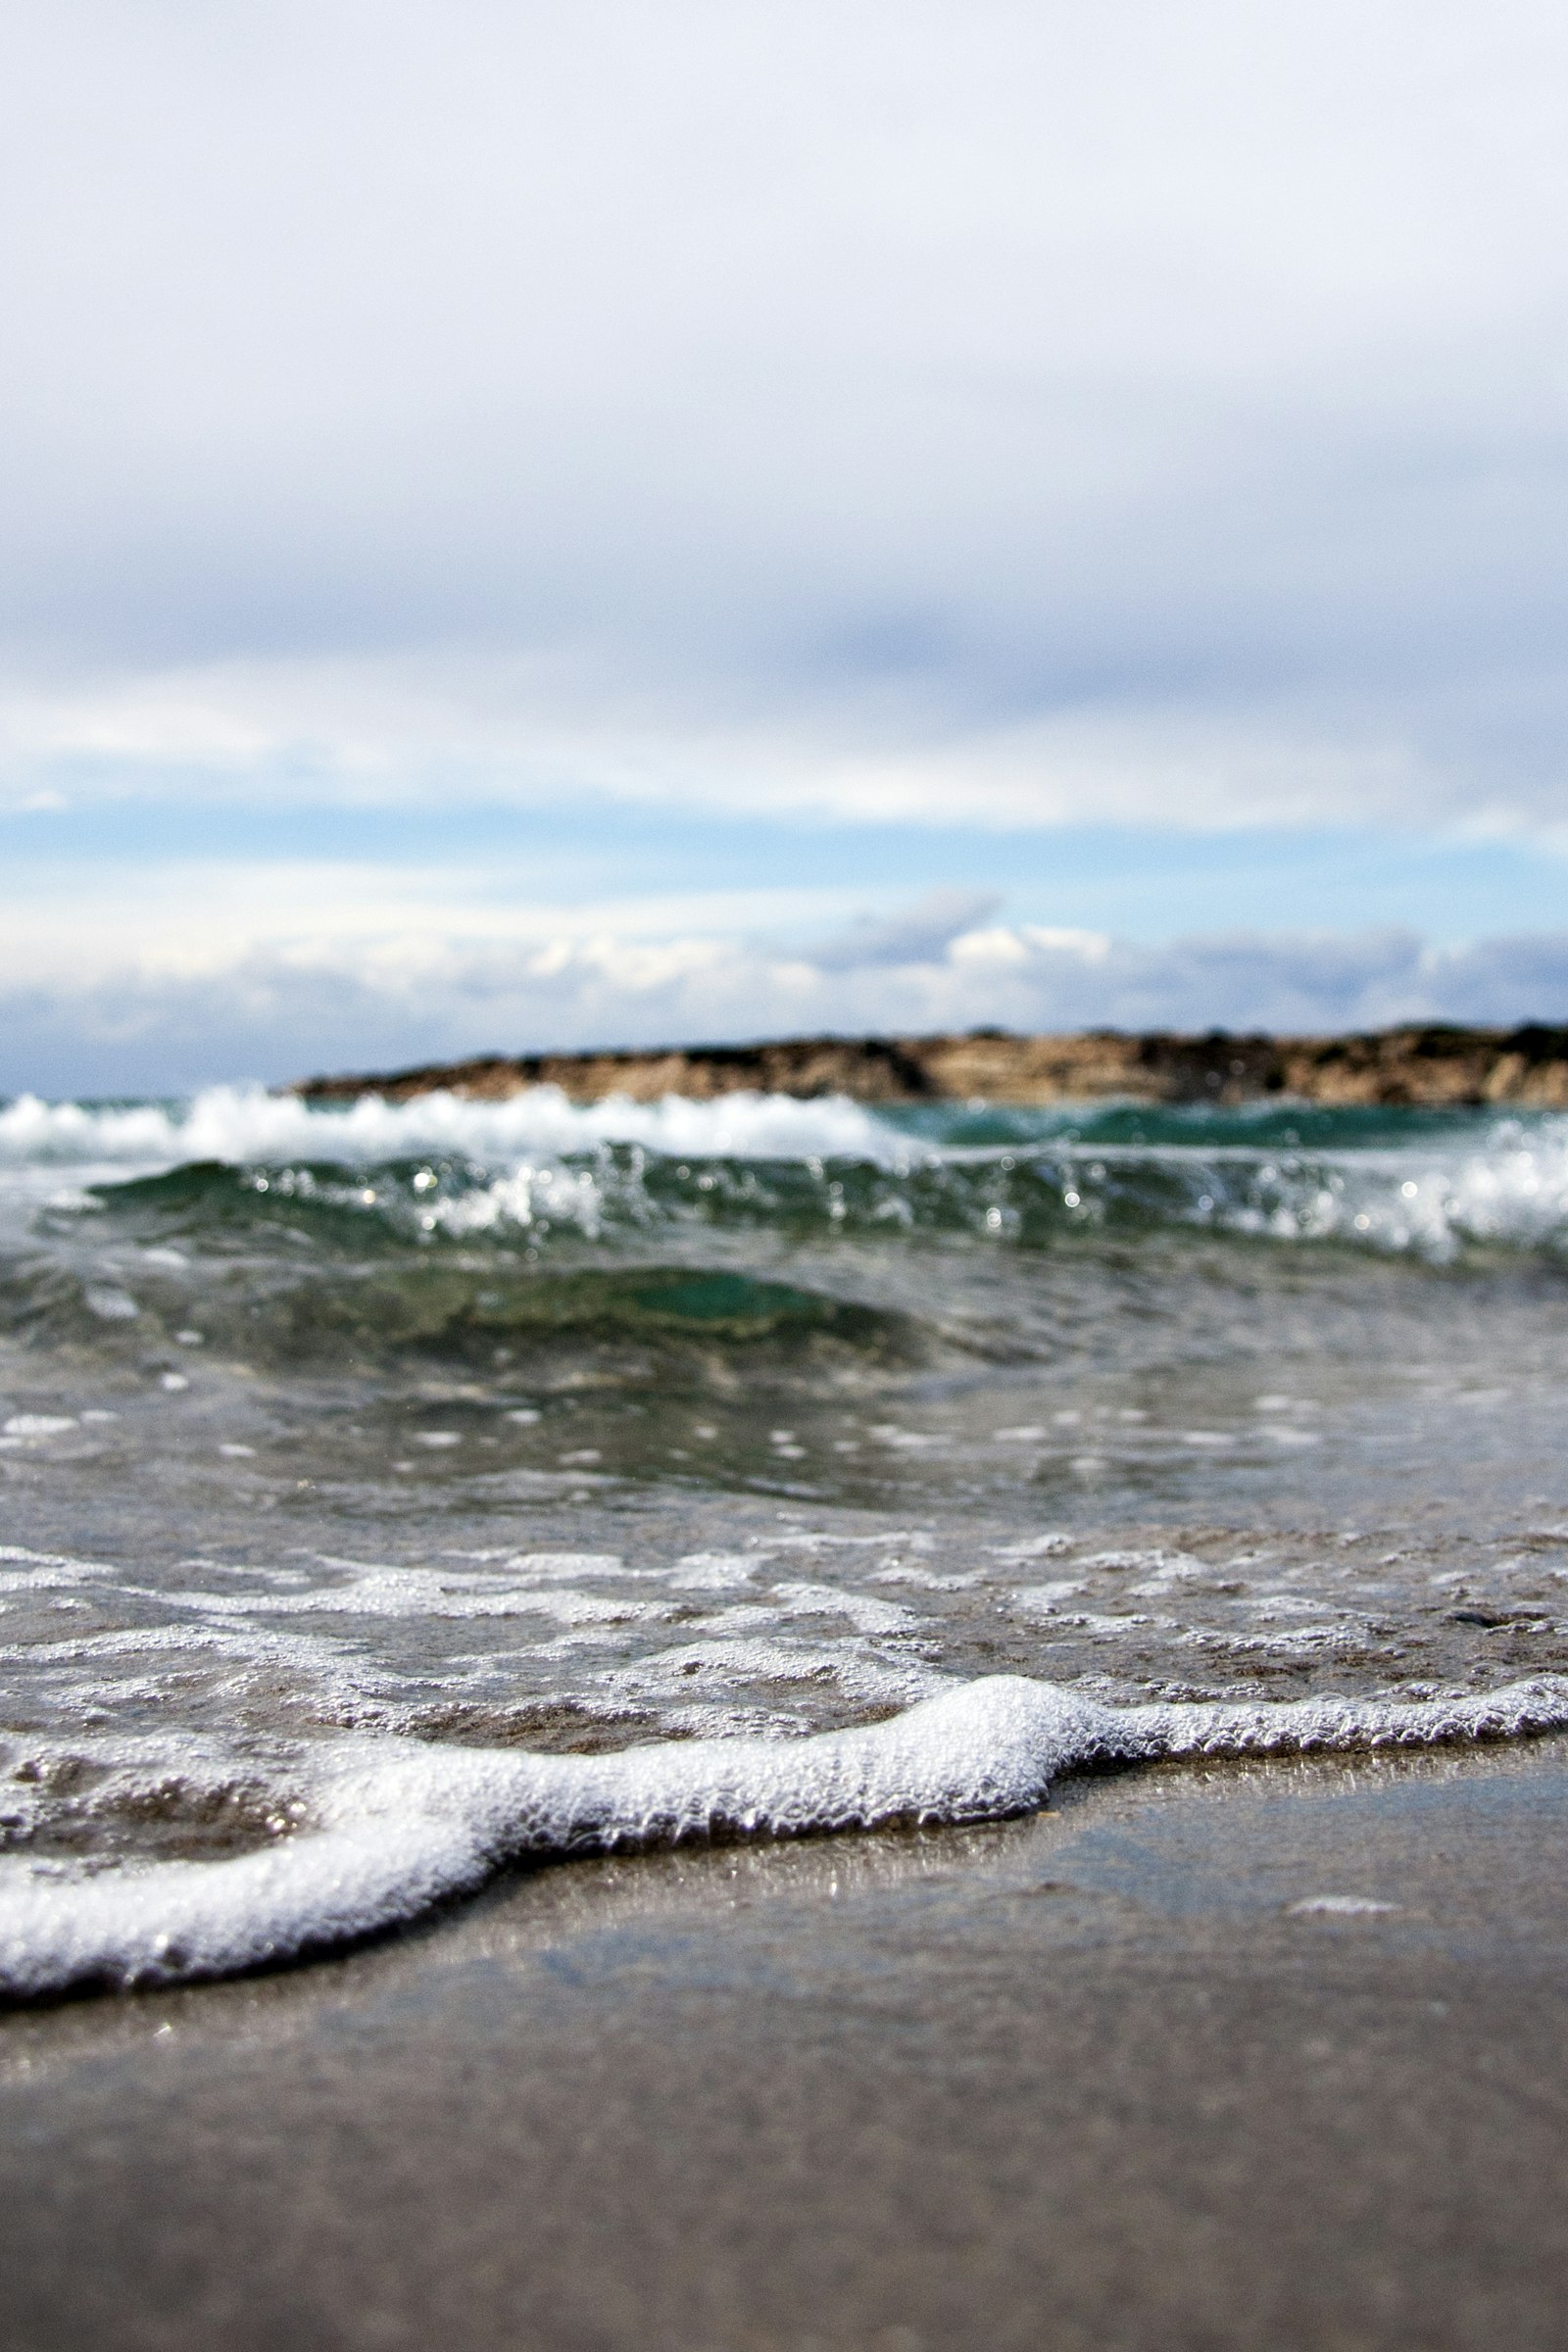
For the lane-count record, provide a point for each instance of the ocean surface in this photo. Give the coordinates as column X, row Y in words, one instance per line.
column 394, row 1491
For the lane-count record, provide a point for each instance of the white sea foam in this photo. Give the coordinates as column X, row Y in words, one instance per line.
column 395, row 1826
column 23, row 1571
column 715, row 1571
column 1512, row 1188
column 866, row 1614
column 247, row 1125
column 426, row 1594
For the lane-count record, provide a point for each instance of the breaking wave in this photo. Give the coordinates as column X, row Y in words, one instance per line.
column 241, row 1125
column 442, row 1170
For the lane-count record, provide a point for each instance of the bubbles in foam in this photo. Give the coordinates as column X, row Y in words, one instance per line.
column 392, row 1827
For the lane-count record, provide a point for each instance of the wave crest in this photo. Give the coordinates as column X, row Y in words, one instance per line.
column 440, row 1168
column 240, row 1125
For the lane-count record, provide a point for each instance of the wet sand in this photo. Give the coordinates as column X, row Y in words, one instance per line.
column 1092, row 2080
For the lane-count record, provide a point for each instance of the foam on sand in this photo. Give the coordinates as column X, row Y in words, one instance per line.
column 396, row 1825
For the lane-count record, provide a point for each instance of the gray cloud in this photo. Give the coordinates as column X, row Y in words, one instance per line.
column 918, row 935
column 835, row 388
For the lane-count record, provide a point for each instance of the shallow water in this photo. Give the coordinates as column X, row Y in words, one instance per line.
column 517, row 1426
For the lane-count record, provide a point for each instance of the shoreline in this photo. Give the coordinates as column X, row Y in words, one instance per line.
column 1206, row 2057
column 409, row 1835
column 1417, row 1065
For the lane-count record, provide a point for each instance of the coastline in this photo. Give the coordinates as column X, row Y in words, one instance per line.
column 1209, row 2056
column 1429, row 1067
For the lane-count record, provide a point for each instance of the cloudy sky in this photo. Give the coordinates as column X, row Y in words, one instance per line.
column 543, row 525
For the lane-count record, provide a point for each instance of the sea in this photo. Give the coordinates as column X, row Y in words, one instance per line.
column 399, row 1492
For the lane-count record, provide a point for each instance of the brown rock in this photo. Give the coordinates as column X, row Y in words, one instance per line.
column 1435, row 1065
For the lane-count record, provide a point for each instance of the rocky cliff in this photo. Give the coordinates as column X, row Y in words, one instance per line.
column 1431, row 1065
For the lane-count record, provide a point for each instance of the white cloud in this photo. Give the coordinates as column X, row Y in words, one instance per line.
column 78, row 925
column 400, row 731
column 388, row 1004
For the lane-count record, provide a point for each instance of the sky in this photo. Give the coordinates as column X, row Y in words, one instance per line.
column 555, row 526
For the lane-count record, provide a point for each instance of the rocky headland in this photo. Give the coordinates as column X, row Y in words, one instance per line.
column 1432, row 1065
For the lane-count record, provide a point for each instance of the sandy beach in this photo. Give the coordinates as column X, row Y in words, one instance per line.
column 1226, row 2055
